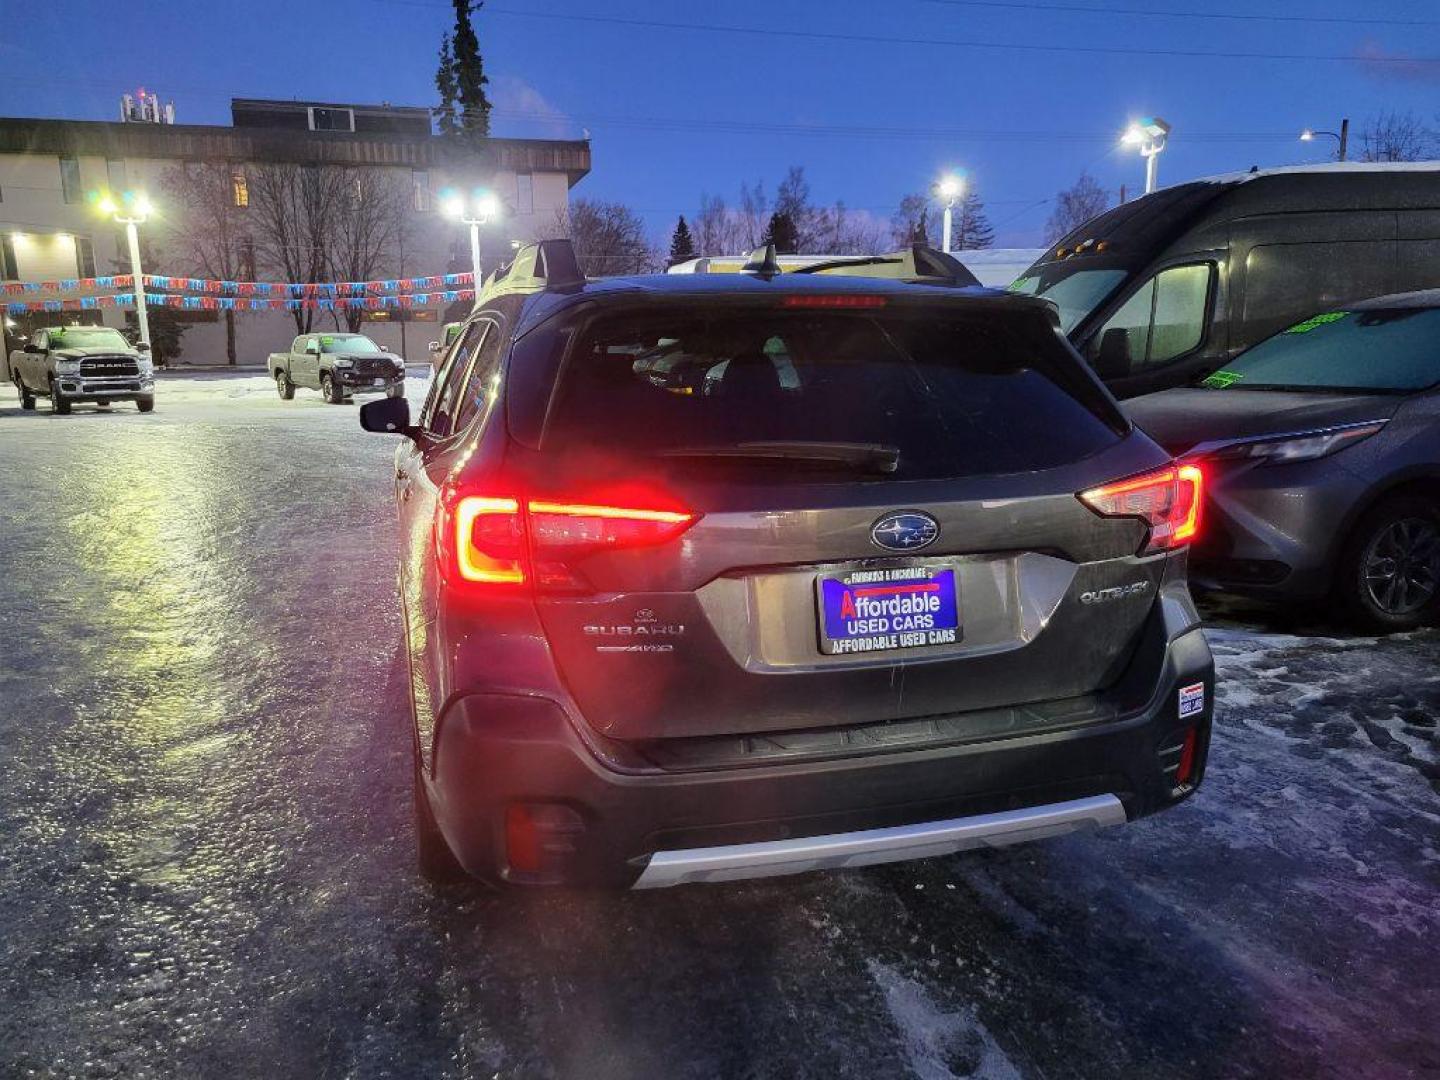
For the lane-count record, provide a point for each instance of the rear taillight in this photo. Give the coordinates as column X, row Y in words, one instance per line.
column 1168, row 501
column 490, row 540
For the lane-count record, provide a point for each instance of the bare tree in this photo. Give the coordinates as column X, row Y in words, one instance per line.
column 294, row 209
column 367, row 226
column 753, row 215
column 712, row 226
column 211, row 232
column 609, row 238
column 910, row 224
column 1075, row 206
column 1396, row 136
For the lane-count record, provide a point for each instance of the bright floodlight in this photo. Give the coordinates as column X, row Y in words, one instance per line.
column 1307, row 135
column 142, row 205
column 107, row 205
column 453, row 206
column 487, row 205
column 950, row 186
column 1133, row 136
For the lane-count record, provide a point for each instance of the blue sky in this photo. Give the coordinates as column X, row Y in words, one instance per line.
column 677, row 110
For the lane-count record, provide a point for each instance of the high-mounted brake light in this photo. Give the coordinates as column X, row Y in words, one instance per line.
column 504, row 541
column 1168, row 501
column 833, row 300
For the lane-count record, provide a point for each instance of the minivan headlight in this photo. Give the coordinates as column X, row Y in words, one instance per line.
column 1302, row 447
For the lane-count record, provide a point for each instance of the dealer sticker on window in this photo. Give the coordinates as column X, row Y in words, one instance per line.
column 1192, row 700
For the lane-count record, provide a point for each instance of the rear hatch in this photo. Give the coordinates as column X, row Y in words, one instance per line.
column 761, row 518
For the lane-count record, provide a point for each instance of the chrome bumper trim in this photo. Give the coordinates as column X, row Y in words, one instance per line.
column 866, row 848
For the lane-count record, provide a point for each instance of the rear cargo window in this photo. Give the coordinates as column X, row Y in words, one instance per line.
column 955, row 395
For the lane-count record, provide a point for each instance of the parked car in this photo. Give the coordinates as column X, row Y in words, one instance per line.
column 339, row 366
column 835, row 606
column 1163, row 290
column 1321, row 449
column 70, row 364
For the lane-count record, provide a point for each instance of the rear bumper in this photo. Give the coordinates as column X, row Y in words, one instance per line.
column 611, row 824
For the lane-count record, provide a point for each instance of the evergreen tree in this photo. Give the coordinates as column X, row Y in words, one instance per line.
column 782, row 233
column 682, row 244
column 971, row 229
column 473, row 107
column 444, row 113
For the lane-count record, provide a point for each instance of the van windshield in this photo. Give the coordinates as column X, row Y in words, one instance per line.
column 1384, row 350
column 1075, row 290
column 925, row 395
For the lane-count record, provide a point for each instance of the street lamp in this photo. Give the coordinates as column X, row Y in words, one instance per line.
column 130, row 211
column 1149, row 135
column 479, row 210
column 1342, row 136
column 950, row 188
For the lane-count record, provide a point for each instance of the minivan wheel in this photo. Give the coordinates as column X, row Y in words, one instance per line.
column 434, row 858
column 284, row 386
column 1390, row 573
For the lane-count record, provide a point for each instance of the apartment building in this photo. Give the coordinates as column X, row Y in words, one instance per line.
column 50, row 230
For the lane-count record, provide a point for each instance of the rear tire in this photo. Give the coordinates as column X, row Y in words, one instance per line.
column 434, row 858
column 58, row 402
column 145, row 404
column 330, row 390
column 284, row 386
column 1389, row 575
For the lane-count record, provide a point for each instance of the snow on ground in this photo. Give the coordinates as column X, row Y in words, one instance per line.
column 205, row 846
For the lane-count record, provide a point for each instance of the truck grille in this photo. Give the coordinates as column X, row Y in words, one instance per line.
column 108, row 365
column 374, row 369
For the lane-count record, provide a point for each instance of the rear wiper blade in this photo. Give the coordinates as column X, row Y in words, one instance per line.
column 874, row 457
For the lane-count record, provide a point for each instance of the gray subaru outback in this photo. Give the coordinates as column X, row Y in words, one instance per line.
column 711, row 577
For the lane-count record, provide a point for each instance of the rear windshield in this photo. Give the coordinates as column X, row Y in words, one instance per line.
column 1386, row 349
column 956, row 396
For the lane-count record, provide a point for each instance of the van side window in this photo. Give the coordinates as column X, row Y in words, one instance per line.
column 1285, row 283
column 1164, row 319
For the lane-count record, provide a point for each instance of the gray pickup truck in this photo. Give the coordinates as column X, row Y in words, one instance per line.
column 82, row 363
column 339, row 366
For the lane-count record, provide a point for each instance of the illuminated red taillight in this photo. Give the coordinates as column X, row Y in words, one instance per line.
column 1168, row 501
column 492, row 540
column 833, row 300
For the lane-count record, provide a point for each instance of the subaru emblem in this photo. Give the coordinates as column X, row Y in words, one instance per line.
column 905, row 530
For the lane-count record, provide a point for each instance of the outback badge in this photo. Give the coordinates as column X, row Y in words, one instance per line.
column 905, row 530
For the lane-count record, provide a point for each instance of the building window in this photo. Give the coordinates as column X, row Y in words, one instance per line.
column 115, row 173
column 70, row 180
column 85, row 256
column 240, row 189
column 420, row 189
column 332, row 119
column 524, row 193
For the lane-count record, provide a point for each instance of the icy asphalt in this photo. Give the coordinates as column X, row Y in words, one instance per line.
column 205, row 847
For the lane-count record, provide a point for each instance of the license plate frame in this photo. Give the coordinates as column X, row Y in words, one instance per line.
column 903, row 608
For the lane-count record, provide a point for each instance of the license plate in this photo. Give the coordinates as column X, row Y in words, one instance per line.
column 901, row 607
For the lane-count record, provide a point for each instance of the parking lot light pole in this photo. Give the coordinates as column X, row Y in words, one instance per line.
column 950, row 187
column 1149, row 135
column 480, row 210
column 1342, row 136
column 131, row 211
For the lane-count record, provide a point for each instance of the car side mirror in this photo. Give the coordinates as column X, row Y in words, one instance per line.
column 142, row 346
column 33, row 347
column 389, row 416
column 1113, row 359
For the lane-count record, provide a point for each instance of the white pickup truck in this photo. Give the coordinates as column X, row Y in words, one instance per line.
column 339, row 366
column 82, row 363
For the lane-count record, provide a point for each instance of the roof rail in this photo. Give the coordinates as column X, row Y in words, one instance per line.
column 762, row 263
column 545, row 264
